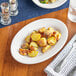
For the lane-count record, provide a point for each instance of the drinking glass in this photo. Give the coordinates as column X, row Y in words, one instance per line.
column 5, row 19
column 5, row 7
column 72, row 11
column 13, row 7
column 5, row 15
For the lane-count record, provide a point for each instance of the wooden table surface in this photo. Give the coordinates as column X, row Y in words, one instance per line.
column 8, row 66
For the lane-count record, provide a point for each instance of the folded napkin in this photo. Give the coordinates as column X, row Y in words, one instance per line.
column 63, row 64
column 69, row 62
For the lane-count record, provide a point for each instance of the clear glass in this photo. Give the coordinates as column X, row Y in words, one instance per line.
column 72, row 11
column 5, row 19
column 5, row 15
column 13, row 7
column 5, row 7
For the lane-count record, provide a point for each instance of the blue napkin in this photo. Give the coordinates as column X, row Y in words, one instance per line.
column 27, row 9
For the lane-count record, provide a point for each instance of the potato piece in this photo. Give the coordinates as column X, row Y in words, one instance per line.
column 33, row 46
column 27, row 39
column 42, row 42
column 47, row 32
column 34, row 32
column 33, row 53
column 44, row 49
column 25, row 46
column 35, row 36
column 51, row 29
column 57, row 35
column 42, row 30
column 23, row 51
column 52, row 1
column 43, row 35
column 49, row 35
column 51, row 41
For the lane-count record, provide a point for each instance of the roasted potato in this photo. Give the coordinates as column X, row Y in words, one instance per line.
column 51, row 29
column 43, row 35
column 51, row 41
column 42, row 42
column 25, row 46
column 34, row 32
column 23, row 51
column 47, row 32
column 44, row 49
column 33, row 53
column 35, row 36
column 33, row 46
column 27, row 39
column 57, row 35
column 44, row 38
column 42, row 30
column 52, row 1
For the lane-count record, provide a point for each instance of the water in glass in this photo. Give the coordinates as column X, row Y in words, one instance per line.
column 72, row 11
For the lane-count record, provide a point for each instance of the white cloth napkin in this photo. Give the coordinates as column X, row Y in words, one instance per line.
column 63, row 65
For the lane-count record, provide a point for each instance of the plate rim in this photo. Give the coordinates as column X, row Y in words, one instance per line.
column 49, row 7
column 46, row 57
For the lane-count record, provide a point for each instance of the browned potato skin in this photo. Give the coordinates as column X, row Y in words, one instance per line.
column 42, row 42
column 42, row 30
column 47, row 32
column 43, row 35
column 33, row 46
column 23, row 51
column 44, row 49
column 57, row 34
column 51, row 41
column 25, row 46
column 27, row 39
